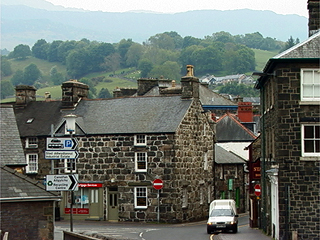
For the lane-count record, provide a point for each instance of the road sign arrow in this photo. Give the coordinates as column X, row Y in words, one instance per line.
column 73, row 182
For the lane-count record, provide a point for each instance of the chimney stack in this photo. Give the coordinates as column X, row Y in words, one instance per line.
column 314, row 16
column 25, row 94
column 190, row 84
column 72, row 92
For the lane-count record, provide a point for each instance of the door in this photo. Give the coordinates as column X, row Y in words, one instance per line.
column 113, row 204
column 94, row 206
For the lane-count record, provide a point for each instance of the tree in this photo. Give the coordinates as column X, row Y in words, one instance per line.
column 40, row 48
column 134, row 54
column 189, row 41
column 169, row 69
column 112, row 62
column 17, row 78
column 31, row 74
column 52, row 53
column 104, row 93
column 7, row 89
column 64, row 49
column 290, row 43
column 21, row 51
column 77, row 63
column 56, row 77
column 163, row 41
column 145, row 66
column 5, row 67
column 123, row 48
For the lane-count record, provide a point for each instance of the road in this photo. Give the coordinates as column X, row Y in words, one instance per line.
column 147, row 231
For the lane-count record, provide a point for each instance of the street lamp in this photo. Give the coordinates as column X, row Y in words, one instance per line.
column 71, row 128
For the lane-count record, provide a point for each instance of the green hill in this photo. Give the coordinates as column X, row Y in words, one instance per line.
column 121, row 78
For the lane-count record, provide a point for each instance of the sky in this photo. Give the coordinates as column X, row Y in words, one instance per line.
column 298, row 7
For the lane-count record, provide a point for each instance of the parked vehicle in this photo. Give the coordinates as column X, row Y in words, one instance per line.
column 222, row 216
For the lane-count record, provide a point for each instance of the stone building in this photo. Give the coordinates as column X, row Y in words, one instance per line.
column 125, row 144
column 27, row 210
column 290, row 149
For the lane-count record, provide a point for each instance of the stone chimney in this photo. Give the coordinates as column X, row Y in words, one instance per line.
column 190, row 84
column 25, row 94
column 72, row 92
column 314, row 16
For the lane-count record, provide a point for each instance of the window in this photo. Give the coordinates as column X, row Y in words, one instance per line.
column 310, row 140
column 32, row 142
column 205, row 161
column 32, row 163
column 185, row 198
column 70, row 165
column 141, row 161
column 310, row 84
column 140, row 197
column 140, row 140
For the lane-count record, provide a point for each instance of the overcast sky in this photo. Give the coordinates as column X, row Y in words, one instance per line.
column 298, row 7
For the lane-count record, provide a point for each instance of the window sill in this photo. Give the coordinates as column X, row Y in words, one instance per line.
column 315, row 102
column 310, row 159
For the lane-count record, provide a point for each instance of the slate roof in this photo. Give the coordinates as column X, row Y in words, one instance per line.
column 18, row 187
column 108, row 116
column 229, row 129
column 10, row 143
column 208, row 97
column 310, row 48
column 224, row 156
column 237, row 148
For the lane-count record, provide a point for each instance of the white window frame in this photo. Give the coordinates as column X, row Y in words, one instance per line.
column 32, row 163
column 32, row 142
column 140, row 157
column 314, row 139
column 205, row 161
column 314, row 83
column 67, row 165
column 140, row 193
column 140, row 140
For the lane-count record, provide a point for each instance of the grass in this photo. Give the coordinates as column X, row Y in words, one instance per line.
column 262, row 58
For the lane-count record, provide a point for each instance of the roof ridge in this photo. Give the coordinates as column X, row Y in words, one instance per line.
column 242, row 126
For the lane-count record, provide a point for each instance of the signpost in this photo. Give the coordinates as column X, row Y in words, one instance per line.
column 158, row 184
column 257, row 190
column 66, row 143
column 61, row 154
column 62, row 182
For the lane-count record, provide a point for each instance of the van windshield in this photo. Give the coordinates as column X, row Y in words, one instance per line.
column 221, row 212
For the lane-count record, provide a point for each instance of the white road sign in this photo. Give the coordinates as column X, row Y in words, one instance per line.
column 62, row 143
column 62, row 182
column 61, row 154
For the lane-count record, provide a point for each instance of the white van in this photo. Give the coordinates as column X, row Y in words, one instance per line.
column 222, row 216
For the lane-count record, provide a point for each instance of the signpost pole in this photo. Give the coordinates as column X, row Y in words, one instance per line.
column 158, row 216
column 71, row 212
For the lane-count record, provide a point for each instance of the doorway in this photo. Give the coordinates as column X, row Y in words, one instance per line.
column 113, row 204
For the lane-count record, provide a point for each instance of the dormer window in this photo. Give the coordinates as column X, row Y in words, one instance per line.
column 32, row 142
column 140, row 140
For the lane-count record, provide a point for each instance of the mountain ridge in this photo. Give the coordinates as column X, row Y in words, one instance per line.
column 25, row 25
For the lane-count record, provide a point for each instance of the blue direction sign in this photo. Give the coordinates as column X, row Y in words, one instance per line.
column 61, row 143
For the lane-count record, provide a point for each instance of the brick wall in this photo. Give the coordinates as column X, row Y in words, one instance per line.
column 28, row 220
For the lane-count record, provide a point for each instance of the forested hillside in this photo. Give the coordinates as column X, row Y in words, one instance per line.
column 47, row 64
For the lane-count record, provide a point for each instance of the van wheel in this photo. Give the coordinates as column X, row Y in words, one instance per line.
column 235, row 230
column 208, row 231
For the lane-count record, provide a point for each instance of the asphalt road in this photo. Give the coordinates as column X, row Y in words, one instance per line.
column 148, row 231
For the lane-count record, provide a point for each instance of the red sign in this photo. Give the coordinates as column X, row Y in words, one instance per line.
column 157, row 184
column 83, row 185
column 77, row 211
column 257, row 190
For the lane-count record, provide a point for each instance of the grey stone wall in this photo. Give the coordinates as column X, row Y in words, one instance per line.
column 301, row 176
column 176, row 158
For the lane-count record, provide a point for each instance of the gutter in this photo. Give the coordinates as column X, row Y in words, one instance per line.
column 30, row 199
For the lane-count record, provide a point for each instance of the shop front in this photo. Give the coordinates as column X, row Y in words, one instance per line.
column 87, row 202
